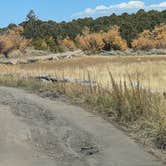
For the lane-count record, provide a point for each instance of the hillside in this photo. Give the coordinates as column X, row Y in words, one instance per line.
column 48, row 35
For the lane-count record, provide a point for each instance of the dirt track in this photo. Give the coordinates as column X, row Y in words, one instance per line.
column 40, row 132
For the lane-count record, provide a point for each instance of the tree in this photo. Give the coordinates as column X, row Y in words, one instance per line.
column 151, row 39
column 130, row 25
column 128, row 32
column 68, row 43
column 13, row 40
column 11, row 25
column 31, row 16
column 90, row 42
column 98, row 41
column 113, row 40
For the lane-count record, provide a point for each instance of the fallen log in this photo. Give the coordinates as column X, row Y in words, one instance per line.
column 49, row 79
column 34, row 59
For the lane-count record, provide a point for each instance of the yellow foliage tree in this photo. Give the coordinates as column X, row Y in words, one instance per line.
column 12, row 40
column 90, row 41
column 114, row 39
column 151, row 39
column 18, row 30
column 98, row 41
column 67, row 42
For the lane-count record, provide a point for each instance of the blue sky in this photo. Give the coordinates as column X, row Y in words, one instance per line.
column 14, row 11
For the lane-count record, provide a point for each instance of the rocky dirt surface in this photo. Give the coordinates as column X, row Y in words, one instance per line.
column 48, row 57
column 36, row 131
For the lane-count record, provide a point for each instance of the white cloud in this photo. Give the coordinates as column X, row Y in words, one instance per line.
column 136, row 4
column 89, row 11
column 102, row 7
column 130, row 6
column 160, row 5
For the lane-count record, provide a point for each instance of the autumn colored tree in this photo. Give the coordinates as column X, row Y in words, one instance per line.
column 159, row 34
column 113, row 39
column 130, row 26
column 144, row 41
column 98, row 41
column 68, row 43
column 13, row 40
column 151, row 39
column 90, row 42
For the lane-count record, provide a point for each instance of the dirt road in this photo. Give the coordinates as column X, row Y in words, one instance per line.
column 39, row 132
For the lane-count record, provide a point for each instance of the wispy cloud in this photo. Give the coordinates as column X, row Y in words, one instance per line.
column 161, row 5
column 131, row 6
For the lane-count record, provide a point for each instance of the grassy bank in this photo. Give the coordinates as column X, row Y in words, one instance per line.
column 128, row 90
column 150, row 68
column 126, row 102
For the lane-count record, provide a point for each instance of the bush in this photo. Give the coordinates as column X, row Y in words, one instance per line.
column 151, row 39
column 143, row 43
column 68, row 43
column 39, row 44
column 13, row 40
column 47, row 43
column 98, row 41
column 113, row 40
column 90, row 42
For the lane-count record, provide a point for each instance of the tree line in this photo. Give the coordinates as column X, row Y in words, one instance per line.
column 52, row 35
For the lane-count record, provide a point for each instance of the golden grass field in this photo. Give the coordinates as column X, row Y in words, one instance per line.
column 127, row 88
column 151, row 69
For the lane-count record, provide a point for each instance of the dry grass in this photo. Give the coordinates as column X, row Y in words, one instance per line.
column 129, row 89
column 152, row 70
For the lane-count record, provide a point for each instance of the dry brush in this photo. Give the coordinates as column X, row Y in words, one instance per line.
column 13, row 40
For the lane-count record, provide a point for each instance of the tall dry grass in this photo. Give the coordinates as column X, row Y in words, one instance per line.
column 128, row 90
column 152, row 69
column 125, row 100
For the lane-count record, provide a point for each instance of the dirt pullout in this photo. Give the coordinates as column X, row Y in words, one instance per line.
column 40, row 132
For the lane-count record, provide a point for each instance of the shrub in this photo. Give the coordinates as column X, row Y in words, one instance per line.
column 113, row 40
column 160, row 140
column 68, row 43
column 151, row 39
column 98, row 41
column 39, row 44
column 90, row 42
column 51, row 43
column 46, row 43
column 12, row 40
column 143, row 43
